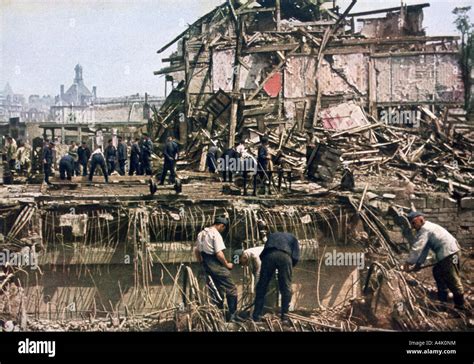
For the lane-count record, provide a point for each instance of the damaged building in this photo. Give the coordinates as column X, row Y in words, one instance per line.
column 333, row 90
column 276, row 65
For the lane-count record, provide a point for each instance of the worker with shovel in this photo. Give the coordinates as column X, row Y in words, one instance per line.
column 433, row 237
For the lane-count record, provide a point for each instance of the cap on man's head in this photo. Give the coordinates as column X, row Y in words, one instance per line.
column 414, row 214
column 221, row 220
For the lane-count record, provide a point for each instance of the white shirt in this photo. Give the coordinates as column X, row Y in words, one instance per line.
column 255, row 263
column 210, row 241
column 97, row 151
column 433, row 237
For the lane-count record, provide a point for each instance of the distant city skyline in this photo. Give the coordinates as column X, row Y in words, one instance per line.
column 116, row 41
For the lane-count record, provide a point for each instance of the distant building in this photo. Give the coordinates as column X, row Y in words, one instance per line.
column 11, row 104
column 78, row 94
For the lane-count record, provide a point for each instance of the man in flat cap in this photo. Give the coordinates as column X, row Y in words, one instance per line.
column 209, row 251
column 431, row 236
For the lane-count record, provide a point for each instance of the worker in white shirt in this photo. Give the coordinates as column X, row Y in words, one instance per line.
column 98, row 159
column 446, row 270
column 251, row 258
column 209, row 251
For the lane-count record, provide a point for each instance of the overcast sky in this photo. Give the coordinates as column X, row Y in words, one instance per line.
column 116, row 41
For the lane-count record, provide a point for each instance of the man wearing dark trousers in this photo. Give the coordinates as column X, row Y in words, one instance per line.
column 121, row 155
column 209, row 251
column 135, row 158
column 73, row 151
column 431, row 236
column 263, row 159
column 111, row 157
column 147, row 151
column 170, row 153
column 98, row 159
column 84, row 153
column 211, row 159
column 47, row 160
column 66, row 166
column 282, row 253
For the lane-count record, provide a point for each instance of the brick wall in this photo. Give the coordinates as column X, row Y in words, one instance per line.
column 438, row 208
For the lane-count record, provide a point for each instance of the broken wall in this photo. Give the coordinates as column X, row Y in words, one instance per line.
column 419, row 78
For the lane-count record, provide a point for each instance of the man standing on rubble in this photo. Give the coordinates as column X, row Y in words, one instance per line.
column 84, row 154
column 47, row 158
column 12, row 154
column 229, row 158
column 431, row 236
column 98, row 159
column 147, row 151
column 74, row 153
column 211, row 158
column 263, row 158
column 24, row 158
column 135, row 158
column 121, row 155
column 170, row 152
column 282, row 253
column 111, row 157
column 209, row 251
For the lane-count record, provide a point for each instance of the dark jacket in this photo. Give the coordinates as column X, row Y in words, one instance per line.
column 147, row 149
column 122, row 152
column 84, row 154
column 284, row 242
column 170, row 151
column 67, row 161
column 262, row 157
column 111, row 153
column 211, row 157
column 48, row 155
column 135, row 153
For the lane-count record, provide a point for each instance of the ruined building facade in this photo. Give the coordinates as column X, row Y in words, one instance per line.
column 274, row 64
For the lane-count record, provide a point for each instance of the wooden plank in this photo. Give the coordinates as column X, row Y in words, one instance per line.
column 411, row 54
column 171, row 69
column 272, row 48
column 394, row 40
column 386, row 10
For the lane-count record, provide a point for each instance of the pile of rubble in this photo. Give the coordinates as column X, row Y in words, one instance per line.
column 320, row 89
column 431, row 156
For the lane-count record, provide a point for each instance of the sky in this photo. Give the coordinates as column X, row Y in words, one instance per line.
column 116, row 41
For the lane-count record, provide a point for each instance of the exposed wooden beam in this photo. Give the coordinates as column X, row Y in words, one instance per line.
column 272, row 48
column 386, row 10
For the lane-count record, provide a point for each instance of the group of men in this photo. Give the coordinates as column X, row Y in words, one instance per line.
column 281, row 253
column 17, row 155
column 108, row 160
column 234, row 155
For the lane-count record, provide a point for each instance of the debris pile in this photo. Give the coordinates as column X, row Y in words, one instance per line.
column 294, row 69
